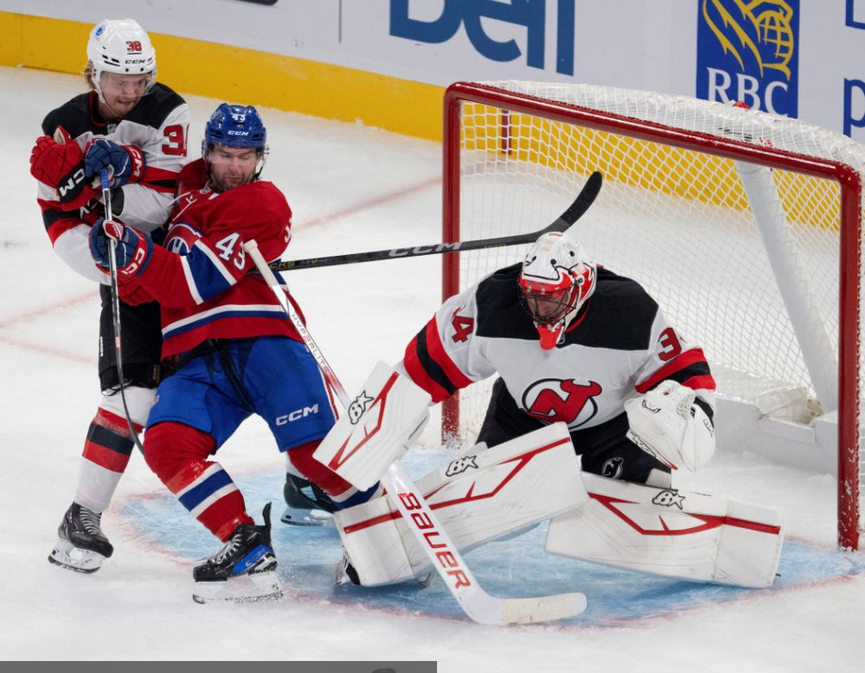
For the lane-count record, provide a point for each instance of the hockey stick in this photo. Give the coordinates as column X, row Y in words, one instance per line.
column 574, row 212
column 419, row 518
column 115, row 307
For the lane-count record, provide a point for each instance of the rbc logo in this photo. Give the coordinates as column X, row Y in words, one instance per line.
column 529, row 14
column 747, row 51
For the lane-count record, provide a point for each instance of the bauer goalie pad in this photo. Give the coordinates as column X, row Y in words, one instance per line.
column 663, row 531
column 381, row 421
column 477, row 498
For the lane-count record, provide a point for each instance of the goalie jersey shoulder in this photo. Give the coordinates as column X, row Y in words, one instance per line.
column 619, row 315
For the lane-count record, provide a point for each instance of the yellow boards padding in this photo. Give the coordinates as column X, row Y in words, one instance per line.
column 649, row 166
column 196, row 67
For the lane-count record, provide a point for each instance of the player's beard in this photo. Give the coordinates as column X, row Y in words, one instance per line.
column 228, row 182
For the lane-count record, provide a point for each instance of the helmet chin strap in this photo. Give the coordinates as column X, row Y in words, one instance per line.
column 102, row 100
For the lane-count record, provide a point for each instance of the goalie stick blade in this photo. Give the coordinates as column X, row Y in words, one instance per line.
column 491, row 611
column 478, row 605
column 544, row 609
column 575, row 211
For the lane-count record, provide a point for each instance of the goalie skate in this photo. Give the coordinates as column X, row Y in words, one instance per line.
column 82, row 546
column 244, row 569
column 306, row 504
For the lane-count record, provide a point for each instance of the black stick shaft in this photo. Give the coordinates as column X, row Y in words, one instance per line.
column 574, row 212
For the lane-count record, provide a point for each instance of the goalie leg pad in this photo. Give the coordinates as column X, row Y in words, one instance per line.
column 381, row 421
column 663, row 531
column 477, row 498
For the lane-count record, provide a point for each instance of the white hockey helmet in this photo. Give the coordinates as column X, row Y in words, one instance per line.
column 555, row 282
column 123, row 47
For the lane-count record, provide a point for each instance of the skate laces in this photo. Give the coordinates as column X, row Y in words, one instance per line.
column 227, row 550
column 91, row 521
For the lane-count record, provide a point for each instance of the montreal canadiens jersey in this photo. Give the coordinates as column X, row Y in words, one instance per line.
column 201, row 277
column 159, row 126
column 619, row 345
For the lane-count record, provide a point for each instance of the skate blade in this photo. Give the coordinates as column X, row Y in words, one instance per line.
column 241, row 589
column 66, row 555
column 306, row 517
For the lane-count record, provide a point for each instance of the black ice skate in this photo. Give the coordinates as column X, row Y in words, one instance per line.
column 82, row 546
column 306, row 503
column 244, row 569
column 345, row 572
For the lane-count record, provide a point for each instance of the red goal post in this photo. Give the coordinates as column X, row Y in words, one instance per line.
column 745, row 226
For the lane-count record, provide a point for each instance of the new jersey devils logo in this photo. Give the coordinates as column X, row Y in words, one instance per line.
column 568, row 400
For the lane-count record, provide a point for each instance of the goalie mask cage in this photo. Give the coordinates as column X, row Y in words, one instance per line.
column 745, row 226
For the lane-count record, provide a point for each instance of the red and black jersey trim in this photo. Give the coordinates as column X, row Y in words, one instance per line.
column 689, row 368
column 161, row 180
column 424, row 370
column 58, row 222
column 52, row 217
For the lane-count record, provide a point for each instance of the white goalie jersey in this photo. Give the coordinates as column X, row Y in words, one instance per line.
column 618, row 346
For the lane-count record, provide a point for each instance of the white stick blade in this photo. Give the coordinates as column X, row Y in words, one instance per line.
column 542, row 609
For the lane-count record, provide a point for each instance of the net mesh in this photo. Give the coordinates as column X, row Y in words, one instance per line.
column 680, row 223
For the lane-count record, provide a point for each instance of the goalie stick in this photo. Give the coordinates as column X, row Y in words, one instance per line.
column 574, row 212
column 443, row 554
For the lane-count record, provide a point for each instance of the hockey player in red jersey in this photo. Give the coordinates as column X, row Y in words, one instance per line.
column 135, row 128
column 236, row 352
column 576, row 343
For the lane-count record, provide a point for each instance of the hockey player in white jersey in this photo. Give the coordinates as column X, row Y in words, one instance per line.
column 588, row 354
column 570, row 342
column 135, row 128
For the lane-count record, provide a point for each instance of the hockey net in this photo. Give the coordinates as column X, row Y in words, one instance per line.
column 744, row 226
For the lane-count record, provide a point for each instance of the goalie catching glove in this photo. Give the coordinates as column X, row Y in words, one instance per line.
column 667, row 424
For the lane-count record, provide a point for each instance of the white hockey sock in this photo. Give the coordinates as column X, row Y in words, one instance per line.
column 108, row 447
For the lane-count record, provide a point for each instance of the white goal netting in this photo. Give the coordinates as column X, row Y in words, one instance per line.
column 732, row 218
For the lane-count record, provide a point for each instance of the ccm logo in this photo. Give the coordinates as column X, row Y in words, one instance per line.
column 131, row 269
column 296, row 415
column 76, row 179
column 445, row 558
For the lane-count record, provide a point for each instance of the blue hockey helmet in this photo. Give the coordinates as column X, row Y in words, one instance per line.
column 235, row 126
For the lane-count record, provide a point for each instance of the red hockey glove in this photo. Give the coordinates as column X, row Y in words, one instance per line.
column 132, row 293
column 59, row 163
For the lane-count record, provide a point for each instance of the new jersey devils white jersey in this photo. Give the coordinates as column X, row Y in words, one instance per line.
column 619, row 345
